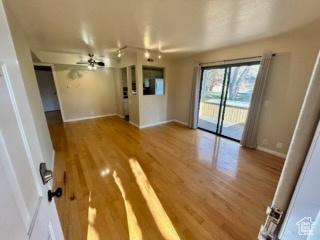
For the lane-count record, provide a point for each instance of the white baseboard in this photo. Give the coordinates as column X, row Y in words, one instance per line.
column 121, row 116
column 183, row 123
column 87, row 118
column 177, row 121
column 153, row 124
column 271, row 152
column 157, row 123
column 136, row 125
column 164, row 122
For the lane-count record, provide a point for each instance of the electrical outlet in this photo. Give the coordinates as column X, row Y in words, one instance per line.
column 279, row 145
column 265, row 141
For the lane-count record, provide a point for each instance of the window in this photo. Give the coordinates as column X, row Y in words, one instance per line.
column 153, row 81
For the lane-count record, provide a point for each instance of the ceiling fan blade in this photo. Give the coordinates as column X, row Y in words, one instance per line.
column 81, row 62
column 101, row 64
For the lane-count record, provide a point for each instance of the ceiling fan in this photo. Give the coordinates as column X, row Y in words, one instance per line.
column 92, row 63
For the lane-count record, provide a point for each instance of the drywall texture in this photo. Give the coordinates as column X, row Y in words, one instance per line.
column 85, row 93
column 26, row 91
column 288, row 79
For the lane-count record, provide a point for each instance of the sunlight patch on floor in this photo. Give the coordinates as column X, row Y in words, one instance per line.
column 133, row 225
column 92, row 234
column 104, row 172
column 160, row 216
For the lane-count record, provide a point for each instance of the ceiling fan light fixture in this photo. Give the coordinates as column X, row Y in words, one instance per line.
column 159, row 55
column 119, row 54
column 92, row 66
column 91, row 63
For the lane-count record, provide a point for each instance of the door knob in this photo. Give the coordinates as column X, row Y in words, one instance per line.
column 57, row 193
column 46, row 175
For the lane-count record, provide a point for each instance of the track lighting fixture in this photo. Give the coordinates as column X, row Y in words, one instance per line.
column 121, row 52
column 147, row 54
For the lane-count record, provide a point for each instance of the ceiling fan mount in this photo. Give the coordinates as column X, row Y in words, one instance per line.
column 92, row 63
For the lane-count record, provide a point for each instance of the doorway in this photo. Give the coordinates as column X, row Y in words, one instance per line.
column 225, row 94
column 124, row 81
column 48, row 92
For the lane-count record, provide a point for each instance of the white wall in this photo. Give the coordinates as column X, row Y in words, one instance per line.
column 154, row 109
column 118, row 93
column 128, row 60
column 288, row 78
column 146, row 110
column 85, row 93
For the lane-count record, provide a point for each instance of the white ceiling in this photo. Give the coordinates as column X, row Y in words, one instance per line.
column 178, row 27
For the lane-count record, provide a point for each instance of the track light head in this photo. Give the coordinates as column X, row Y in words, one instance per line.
column 147, row 54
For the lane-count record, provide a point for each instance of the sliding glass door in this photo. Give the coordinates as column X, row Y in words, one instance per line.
column 225, row 98
column 212, row 89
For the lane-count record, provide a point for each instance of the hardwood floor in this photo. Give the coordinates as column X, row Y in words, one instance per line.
column 53, row 117
column 163, row 182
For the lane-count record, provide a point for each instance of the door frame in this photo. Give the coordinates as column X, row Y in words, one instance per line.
column 224, row 94
column 55, row 84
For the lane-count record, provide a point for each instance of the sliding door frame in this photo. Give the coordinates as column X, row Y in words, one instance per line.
column 224, row 94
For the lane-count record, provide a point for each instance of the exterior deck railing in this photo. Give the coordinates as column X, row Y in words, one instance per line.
column 233, row 114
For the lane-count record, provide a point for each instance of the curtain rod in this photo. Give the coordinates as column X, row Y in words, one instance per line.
column 235, row 59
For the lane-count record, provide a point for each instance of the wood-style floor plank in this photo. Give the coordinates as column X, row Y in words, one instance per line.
column 163, row 182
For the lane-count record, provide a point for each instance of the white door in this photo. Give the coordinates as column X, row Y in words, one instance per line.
column 47, row 89
column 302, row 221
column 25, row 212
